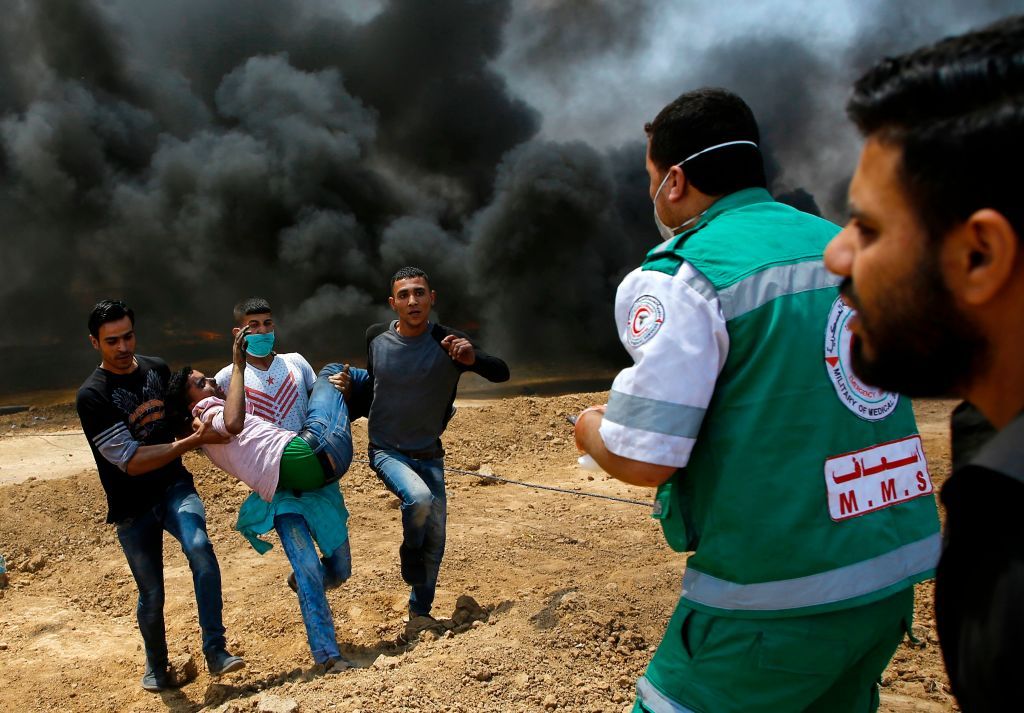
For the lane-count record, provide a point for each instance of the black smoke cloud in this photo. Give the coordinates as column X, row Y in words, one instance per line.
column 546, row 250
column 549, row 33
column 184, row 155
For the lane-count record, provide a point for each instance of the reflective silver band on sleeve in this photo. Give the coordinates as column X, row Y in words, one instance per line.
column 764, row 286
column 652, row 415
column 700, row 284
column 655, row 701
column 855, row 580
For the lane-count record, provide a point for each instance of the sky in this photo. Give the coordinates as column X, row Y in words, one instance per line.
column 185, row 155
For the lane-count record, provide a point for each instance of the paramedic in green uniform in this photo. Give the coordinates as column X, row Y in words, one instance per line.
column 802, row 491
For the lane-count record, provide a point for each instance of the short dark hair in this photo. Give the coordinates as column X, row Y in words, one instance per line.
column 956, row 109
column 250, row 305
column 408, row 272
column 176, row 407
column 108, row 311
column 698, row 120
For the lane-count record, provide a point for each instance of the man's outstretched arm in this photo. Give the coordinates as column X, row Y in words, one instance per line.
column 114, row 441
column 148, row 458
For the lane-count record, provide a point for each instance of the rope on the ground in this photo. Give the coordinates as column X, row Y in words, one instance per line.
column 538, row 486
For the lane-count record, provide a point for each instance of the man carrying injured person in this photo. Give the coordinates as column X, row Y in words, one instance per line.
column 271, row 460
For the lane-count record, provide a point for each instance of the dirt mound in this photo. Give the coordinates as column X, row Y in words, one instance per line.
column 546, row 601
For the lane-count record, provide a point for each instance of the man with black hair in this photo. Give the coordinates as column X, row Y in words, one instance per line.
column 148, row 489
column 414, row 367
column 277, row 386
column 934, row 266
column 802, row 492
column 261, row 454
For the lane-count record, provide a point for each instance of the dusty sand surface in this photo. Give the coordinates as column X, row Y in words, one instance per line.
column 573, row 592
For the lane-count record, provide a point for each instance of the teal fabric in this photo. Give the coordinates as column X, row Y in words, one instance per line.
column 668, row 258
column 323, row 509
column 825, row 663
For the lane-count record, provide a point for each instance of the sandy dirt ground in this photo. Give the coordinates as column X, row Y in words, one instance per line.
column 547, row 601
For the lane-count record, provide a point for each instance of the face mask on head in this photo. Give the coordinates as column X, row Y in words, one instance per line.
column 665, row 231
column 259, row 345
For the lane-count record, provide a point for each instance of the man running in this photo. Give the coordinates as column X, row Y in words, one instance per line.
column 414, row 367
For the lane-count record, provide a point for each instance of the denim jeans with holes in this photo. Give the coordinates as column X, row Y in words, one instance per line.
column 419, row 484
column 313, row 578
column 327, row 416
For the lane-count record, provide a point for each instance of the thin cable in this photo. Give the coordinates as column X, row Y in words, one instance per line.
column 646, row 504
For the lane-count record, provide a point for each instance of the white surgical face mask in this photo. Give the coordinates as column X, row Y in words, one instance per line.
column 665, row 231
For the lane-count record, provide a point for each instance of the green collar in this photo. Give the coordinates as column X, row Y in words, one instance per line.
column 740, row 199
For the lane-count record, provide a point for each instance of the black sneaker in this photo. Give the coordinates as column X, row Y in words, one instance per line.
column 414, row 570
column 220, row 662
column 155, row 679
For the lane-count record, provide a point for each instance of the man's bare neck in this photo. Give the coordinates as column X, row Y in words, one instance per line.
column 409, row 331
column 115, row 370
column 999, row 391
column 261, row 363
column 998, row 402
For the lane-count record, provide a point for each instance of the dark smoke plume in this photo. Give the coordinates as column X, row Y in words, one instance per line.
column 183, row 155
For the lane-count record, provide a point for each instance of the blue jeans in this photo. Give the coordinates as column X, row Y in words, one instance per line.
column 181, row 513
column 313, row 579
column 419, row 484
column 327, row 417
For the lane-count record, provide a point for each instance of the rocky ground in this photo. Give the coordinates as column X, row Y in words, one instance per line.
column 546, row 602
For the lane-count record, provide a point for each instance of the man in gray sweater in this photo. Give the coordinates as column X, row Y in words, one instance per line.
column 414, row 366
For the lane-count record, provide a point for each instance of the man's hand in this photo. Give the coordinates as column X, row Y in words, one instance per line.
column 459, row 349
column 578, row 429
column 238, row 348
column 634, row 472
column 342, row 381
column 149, row 458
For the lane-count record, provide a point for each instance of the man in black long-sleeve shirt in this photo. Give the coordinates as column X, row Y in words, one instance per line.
column 414, row 368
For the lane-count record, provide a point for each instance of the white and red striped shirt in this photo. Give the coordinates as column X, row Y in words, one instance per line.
column 280, row 394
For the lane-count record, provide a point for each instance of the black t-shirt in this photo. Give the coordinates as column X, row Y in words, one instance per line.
column 979, row 585
column 119, row 413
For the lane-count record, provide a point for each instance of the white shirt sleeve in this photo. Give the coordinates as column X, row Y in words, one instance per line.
column 214, row 416
column 308, row 375
column 673, row 328
column 223, row 378
column 298, row 363
column 218, row 422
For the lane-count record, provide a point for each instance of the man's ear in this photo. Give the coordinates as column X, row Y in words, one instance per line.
column 433, row 298
column 235, row 331
column 95, row 342
column 987, row 251
column 677, row 183
column 391, row 303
